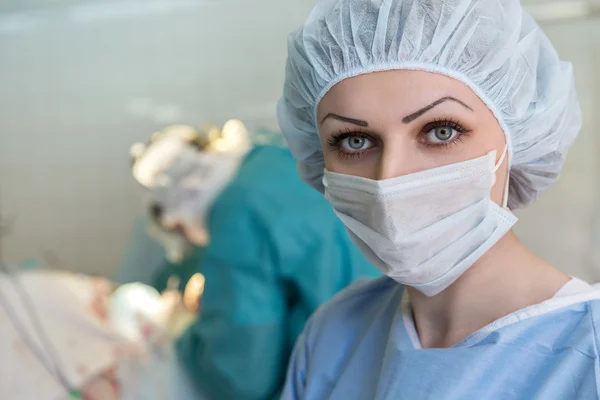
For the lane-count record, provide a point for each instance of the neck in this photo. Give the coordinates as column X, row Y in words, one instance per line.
column 507, row 278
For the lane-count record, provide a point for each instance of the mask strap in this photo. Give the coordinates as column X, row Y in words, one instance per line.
column 498, row 164
column 501, row 160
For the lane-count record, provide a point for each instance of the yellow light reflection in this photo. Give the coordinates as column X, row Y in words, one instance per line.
column 193, row 291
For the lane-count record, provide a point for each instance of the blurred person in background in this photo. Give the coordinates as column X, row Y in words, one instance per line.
column 269, row 248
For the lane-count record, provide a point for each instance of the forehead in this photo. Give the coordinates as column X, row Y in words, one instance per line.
column 398, row 92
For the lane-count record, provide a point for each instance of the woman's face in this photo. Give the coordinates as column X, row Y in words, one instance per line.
column 388, row 124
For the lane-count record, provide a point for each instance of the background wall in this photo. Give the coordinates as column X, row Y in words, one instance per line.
column 80, row 81
column 564, row 225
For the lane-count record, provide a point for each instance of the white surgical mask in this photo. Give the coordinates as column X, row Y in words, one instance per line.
column 424, row 229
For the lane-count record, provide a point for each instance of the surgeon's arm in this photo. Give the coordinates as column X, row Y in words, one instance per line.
column 236, row 350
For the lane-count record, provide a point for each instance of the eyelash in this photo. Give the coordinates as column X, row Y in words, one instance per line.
column 440, row 123
column 335, row 143
column 335, row 140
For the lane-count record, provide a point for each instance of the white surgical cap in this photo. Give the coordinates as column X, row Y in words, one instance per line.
column 492, row 46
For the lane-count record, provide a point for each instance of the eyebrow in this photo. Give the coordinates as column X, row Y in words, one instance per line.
column 436, row 103
column 405, row 120
column 358, row 122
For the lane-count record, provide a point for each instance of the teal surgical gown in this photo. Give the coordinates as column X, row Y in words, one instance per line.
column 363, row 345
column 277, row 252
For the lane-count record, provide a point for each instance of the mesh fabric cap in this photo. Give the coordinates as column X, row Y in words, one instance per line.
column 492, row 46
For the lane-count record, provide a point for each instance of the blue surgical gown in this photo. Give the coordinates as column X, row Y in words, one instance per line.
column 277, row 252
column 360, row 346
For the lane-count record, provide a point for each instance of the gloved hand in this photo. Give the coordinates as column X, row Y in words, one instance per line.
column 102, row 387
column 177, row 315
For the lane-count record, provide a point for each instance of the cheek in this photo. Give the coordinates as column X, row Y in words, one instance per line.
column 502, row 175
column 334, row 162
column 497, row 141
column 365, row 166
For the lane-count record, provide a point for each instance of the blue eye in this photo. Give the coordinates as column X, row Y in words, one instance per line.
column 356, row 143
column 441, row 134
